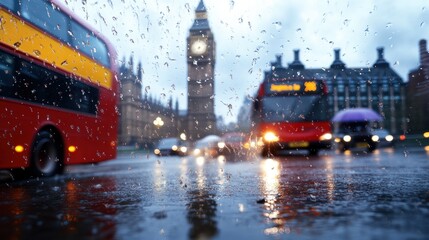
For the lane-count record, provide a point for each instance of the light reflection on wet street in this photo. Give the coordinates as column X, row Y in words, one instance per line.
column 139, row 196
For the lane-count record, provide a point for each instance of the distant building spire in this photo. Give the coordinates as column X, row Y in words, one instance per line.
column 381, row 62
column 200, row 22
column 131, row 63
column 278, row 62
column 296, row 64
column 338, row 64
column 140, row 71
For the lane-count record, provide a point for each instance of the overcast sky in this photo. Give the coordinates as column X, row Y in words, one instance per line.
column 250, row 33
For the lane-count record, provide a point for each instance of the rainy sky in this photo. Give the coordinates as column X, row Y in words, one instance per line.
column 250, row 33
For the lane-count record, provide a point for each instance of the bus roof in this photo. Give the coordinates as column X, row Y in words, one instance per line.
column 74, row 16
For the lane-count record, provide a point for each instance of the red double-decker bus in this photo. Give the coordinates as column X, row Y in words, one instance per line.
column 58, row 89
column 290, row 113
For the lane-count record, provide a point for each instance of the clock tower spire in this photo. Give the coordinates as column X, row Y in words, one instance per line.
column 201, row 58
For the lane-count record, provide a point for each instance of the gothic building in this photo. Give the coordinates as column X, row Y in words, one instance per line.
column 143, row 119
column 418, row 93
column 201, row 58
column 378, row 87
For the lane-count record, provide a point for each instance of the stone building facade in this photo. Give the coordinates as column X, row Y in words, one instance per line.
column 143, row 119
column 418, row 93
column 377, row 87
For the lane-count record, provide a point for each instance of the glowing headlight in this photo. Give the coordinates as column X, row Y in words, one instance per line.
column 337, row 140
column 326, row 136
column 347, row 138
column 197, row 151
column 389, row 138
column 271, row 137
column 174, row 148
column 221, row 144
column 426, row 134
column 156, row 151
column 375, row 138
column 183, row 149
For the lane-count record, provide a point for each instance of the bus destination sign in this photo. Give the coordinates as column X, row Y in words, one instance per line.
column 294, row 87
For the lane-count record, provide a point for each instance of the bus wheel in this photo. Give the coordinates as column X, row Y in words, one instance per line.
column 46, row 157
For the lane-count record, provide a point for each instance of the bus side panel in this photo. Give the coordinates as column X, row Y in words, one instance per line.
column 14, row 131
column 95, row 140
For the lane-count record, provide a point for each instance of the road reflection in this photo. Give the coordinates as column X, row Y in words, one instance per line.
column 62, row 210
column 202, row 206
column 294, row 189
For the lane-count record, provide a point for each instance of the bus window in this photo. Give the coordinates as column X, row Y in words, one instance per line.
column 6, row 77
column 47, row 17
column 85, row 41
column 84, row 97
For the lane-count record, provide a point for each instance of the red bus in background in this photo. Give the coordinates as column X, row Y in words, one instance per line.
column 58, row 89
column 290, row 113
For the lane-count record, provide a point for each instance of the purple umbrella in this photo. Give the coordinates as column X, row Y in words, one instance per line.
column 357, row 115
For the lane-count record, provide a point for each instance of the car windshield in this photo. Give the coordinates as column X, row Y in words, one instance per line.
column 168, row 142
column 295, row 108
column 359, row 127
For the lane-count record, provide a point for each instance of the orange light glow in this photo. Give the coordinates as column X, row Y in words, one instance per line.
column 19, row 149
column 310, row 86
column 72, row 149
column 402, row 137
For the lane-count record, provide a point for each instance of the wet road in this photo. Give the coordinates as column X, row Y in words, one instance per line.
column 139, row 196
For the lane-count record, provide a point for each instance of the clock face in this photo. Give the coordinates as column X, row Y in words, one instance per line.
column 198, row 47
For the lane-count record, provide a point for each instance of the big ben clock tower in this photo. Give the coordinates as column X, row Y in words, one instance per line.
column 201, row 62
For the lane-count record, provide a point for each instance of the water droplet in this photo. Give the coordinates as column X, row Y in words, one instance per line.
column 278, row 25
column 37, row 52
column 114, row 32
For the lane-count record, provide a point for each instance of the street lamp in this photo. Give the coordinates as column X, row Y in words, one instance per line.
column 158, row 122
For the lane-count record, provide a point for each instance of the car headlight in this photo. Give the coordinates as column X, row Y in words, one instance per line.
column 197, row 151
column 183, row 149
column 174, row 148
column 389, row 138
column 326, row 136
column 156, row 151
column 221, row 145
column 271, row 137
column 347, row 138
column 375, row 138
